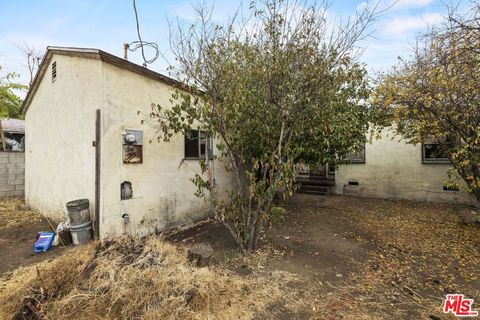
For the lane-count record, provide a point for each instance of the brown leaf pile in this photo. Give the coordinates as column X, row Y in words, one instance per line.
column 422, row 251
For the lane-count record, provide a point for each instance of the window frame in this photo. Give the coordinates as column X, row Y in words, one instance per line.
column 426, row 160
column 347, row 160
column 208, row 145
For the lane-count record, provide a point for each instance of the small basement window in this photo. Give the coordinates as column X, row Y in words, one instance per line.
column 54, row 71
column 198, row 144
column 434, row 153
column 448, row 187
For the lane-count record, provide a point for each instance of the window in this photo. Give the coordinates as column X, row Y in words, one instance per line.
column 197, row 144
column 54, row 71
column 450, row 187
column 355, row 157
column 434, row 153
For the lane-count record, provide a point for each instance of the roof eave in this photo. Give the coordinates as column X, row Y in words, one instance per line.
column 104, row 56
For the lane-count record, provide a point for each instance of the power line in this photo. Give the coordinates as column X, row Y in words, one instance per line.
column 133, row 46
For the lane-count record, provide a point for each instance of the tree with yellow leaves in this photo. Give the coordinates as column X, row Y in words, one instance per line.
column 436, row 93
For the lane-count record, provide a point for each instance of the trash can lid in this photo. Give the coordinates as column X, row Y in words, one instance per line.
column 78, row 203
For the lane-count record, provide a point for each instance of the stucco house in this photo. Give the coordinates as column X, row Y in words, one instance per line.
column 102, row 151
column 389, row 167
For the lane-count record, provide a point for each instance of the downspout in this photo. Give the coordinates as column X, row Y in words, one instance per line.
column 97, row 173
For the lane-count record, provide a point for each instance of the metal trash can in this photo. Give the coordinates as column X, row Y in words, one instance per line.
column 80, row 222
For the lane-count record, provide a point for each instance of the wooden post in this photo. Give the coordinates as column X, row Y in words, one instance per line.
column 97, row 172
column 2, row 137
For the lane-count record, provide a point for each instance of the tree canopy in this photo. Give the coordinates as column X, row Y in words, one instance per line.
column 9, row 102
column 277, row 89
column 436, row 94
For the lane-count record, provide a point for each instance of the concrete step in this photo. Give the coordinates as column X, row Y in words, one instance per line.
column 319, row 193
column 322, row 190
column 316, row 181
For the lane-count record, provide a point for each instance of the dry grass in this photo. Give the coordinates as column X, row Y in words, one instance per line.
column 139, row 279
column 14, row 213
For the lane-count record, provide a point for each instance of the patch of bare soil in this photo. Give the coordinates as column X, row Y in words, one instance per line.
column 18, row 229
column 360, row 258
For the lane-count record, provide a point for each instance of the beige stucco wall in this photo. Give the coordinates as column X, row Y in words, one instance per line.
column 60, row 128
column 394, row 169
column 60, row 157
column 163, row 195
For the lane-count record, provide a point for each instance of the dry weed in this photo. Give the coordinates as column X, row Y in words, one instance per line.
column 14, row 213
column 132, row 279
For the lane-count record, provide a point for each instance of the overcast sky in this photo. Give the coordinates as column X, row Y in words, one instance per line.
column 108, row 24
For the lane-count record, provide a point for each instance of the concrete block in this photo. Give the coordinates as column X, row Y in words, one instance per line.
column 3, row 170
column 17, row 160
column 15, row 154
column 19, row 193
column 7, row 188
column 19, row 187
column 9, row 182
column 3, row 194
column 4, row 154
column 19, row 176
column 21, row 165
column 5, row 177
column 16, row 171
column 19, row 182
column 10, row 165
column 4, row 160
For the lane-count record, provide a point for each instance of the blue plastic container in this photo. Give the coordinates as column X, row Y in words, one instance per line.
column 44, row 242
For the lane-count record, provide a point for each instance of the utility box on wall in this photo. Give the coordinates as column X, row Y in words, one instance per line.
column 132, row 146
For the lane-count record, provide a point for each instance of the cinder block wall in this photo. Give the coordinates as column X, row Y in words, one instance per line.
column 12, row 174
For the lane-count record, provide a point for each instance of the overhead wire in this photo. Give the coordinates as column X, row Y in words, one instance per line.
column 133, row 46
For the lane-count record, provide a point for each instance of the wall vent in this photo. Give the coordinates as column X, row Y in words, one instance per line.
column 54, row 71
column 450, row 188
column 353, row 183
column 126, row 191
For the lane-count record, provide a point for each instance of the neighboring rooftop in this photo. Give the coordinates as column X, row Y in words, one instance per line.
column 13, row 125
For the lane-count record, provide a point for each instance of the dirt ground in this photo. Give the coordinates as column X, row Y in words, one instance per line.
column 361, row 258
column 332, row 257
column 18, row 229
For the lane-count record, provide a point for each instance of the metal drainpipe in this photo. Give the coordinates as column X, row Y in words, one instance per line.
column 97, row 172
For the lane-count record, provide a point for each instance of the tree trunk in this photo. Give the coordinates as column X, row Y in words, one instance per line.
column 2, row 137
